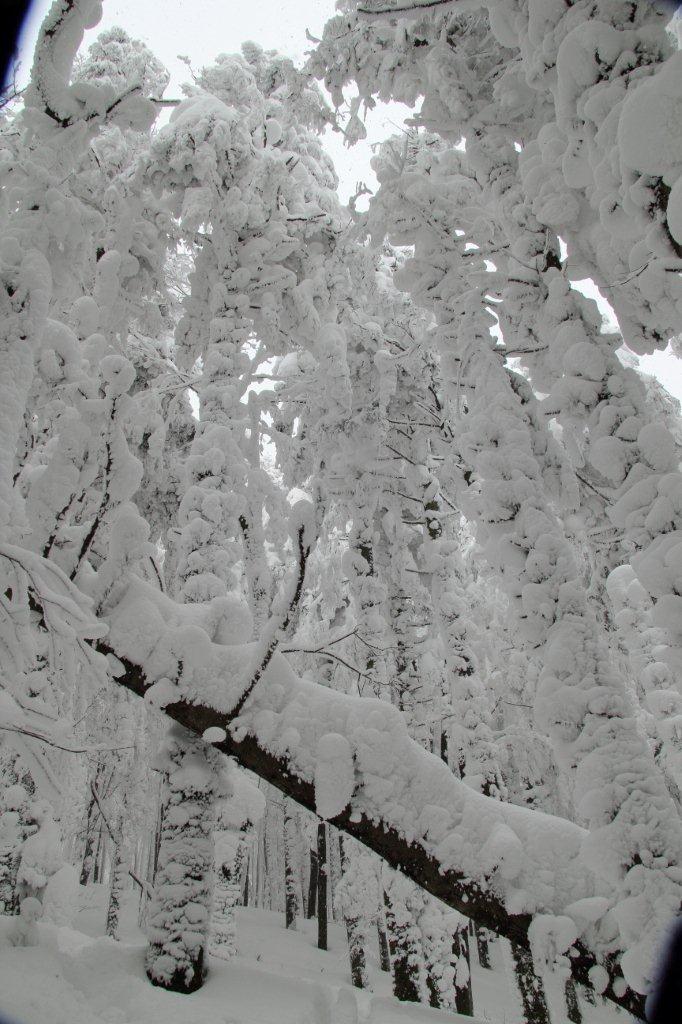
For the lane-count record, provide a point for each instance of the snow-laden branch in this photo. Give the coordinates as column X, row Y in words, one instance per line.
column 96, row 748
column 458, row 6
column 497, row 863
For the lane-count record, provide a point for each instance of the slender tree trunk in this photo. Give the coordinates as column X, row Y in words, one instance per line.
column 144, row 898
column 116, row 882
column 530, row 987
column 483, row 946
column 290, row 884
column 464, row 997
column 312, row 886
column 157, row 833
column 355, row 934
column 573, row 1011
column 89, row 848
column 225, row 898
column 98, row 862
column 432, row 988
column 384, row 952
column 404, row 957
column 322, row 868
column 245, row 898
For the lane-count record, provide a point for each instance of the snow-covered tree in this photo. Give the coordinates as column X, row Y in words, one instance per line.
column 369, row 502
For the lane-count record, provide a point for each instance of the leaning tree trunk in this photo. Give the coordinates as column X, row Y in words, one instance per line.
column 322, row 871
column 529, row 985
column 91, row 823
column 181, row 907
column 463, row 894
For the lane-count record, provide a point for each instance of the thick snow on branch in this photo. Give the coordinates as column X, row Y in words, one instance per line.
column 525, row 860
column 498, row 863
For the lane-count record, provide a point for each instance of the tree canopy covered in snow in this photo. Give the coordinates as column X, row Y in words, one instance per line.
column 370, row 502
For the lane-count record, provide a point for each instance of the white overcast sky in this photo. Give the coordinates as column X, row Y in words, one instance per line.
column 201, row 29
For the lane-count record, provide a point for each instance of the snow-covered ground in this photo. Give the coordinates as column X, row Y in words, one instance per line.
column 77, row 976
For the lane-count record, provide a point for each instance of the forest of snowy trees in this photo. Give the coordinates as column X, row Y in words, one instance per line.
column 341, row 545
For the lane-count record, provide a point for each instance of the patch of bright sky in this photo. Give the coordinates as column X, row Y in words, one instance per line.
column 201, row 29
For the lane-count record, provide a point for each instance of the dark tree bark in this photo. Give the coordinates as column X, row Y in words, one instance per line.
column 432, row 989
column 322, row 871
column 470, row 897
column 529, row 984
column 588, row 994
column 573, row 1011
column 245, row 898
column 157, row 833
column 290, row 893
column 404, row 958
column 99, row 856
column 312, row 886
column 464, row 997
column 91, row 820
column 483, row 946
column 384, row 952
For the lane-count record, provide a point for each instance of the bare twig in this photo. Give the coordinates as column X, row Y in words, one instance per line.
column 277, row 633
column 23, row 731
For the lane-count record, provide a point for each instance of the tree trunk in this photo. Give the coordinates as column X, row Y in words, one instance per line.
column 530, row 987
column 464, row 997
column 404, row 955
column 225, row 898
column 116, row 882
column 312, row 886
column 322, row 885
column 245, row 897
column 6, row 880
column 573, row 1011
column 157, row 832
column 90, row 834
column 384, row 953
column 355, row 934
column 179, row 917
column 98, row 862
column 462, row 893
column 588, row 994
column 290, row 886
column 483, row 946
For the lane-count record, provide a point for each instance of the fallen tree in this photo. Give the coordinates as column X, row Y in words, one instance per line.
column 513, row 870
